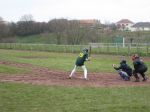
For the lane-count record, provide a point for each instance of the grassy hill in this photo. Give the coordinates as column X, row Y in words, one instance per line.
column 101, row 37
column 46, row 38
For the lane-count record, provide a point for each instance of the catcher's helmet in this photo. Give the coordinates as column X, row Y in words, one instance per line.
column 135, row 56
column 123, row 61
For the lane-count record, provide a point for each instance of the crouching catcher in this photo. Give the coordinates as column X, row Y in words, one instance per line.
column 139, row 68
column 124, row 70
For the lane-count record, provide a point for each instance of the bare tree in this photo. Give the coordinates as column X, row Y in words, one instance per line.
column 25, row 26
column 27, row 17
column 58, row 27
column 4, row 29
column 75, row 33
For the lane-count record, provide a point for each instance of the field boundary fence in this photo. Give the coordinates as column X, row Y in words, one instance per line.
column 96, row 48
column 121, row 49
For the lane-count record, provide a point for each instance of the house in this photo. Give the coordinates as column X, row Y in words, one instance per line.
column 141, row 26
column 125, row 25
column 89, row 23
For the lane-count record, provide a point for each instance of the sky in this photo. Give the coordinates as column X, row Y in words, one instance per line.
column 107, row 11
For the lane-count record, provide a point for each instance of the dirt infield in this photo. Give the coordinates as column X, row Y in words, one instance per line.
column 44, row 76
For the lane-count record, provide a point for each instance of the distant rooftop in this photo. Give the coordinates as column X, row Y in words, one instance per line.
column 142, row 24
column 125, row 21
column 88, row 21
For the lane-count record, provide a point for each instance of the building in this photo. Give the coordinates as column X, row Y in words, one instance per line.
column 141, row 26
column 89, row 23
column 124, row 25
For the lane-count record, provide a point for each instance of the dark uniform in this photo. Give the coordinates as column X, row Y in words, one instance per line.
column 139, row 68
column 83, row 56
column 125, row 71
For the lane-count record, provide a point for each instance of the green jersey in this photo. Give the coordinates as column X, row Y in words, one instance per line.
column 83, row 56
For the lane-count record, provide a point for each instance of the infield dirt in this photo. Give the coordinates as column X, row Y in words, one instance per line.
column 45, row 76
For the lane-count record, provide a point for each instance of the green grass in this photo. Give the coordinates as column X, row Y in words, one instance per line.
column 63, row 61
column 41, row 38
column 11, row 70
column 143, row 50
column 29, row 98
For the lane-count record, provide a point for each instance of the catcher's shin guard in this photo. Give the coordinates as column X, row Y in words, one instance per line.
column 124, row 75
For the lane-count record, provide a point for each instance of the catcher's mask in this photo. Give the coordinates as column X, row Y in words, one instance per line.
column 123, row 61
column 135, row 56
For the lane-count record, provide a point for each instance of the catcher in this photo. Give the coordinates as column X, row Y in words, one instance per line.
column 139, row 68
column 124, row 70
column 83, row 56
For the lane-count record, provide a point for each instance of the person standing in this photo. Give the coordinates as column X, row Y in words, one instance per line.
column 83, row 56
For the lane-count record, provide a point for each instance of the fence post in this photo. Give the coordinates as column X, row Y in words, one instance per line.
column 129, row 49
column 117, row 48
column 72, row 49
column 137, row 48
column 147, row 48
column 90, row 50
column 99, row 48
column 108, row 47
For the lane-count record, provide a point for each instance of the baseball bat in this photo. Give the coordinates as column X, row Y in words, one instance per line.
column 90, row 51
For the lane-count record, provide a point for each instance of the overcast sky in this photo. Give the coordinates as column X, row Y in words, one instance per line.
column 103, row 10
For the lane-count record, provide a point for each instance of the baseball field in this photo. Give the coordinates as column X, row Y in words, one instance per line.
column 32, row 81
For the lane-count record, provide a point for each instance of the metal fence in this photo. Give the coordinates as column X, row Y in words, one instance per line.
column 96, row 48
column 122, row 49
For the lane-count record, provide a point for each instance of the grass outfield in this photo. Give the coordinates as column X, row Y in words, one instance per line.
column 11, row 70
column 63, row 61
column 108, row 48
column 34, row 98
column 30, row 98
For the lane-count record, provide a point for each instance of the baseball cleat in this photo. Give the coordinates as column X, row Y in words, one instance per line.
column 86, row 79
column 69, row 77
column 145, row 79
column 137, row 80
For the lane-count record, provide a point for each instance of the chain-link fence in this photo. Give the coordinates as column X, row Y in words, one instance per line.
column 96, row 48
column 121, row 49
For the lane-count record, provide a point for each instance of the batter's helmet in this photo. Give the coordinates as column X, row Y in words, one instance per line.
column 85, row 50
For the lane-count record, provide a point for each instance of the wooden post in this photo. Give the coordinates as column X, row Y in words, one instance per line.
column 90, row 50
column 147, row 48
column 129, row 49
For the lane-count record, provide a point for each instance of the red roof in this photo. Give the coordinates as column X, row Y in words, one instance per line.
column 88, row 21
column 125, row 21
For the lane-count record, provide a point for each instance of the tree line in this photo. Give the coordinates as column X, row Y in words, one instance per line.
column 69, row 31
column 64, row 31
